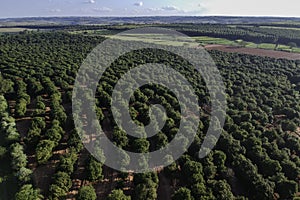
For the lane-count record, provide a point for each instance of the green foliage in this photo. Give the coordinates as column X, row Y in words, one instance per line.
column 3, row 105
column 199, row 191
column 194, row 171
column 54, row 135
column 67, row 161
column 94, row 170
column 292, row 44
column 288, row 126
column 44, row 151
column 3, row 151
column 182, row 193
column 27, row 192
column 143, row 177
column 222, row 190
column 33, row 136
column 19, row 158
column 290, row 169
column 6, row 85
column 219, row 159
column 24, row 174
column 75, row 141
column 87, row 193
column 118, row 195
column 61, row 185
column 146, row 190
column 38, row 122
column 21, row 107
column 287, row 189
column 40, row 104
column 145, row 186
column 140, row 145
column 120, row 137
column 258, row 148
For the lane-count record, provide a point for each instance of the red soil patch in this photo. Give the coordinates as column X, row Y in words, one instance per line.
column 253, row 51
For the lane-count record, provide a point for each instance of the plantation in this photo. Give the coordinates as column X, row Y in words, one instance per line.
column 43, row 157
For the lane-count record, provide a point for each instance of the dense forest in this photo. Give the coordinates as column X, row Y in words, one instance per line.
column 42, row 156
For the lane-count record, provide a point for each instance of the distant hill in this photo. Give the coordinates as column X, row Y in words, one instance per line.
column 143, row 20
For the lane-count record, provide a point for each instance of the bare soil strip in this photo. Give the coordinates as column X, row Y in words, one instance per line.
column 253, row 51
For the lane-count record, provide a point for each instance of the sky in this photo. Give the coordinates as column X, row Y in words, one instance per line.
column 42, row 8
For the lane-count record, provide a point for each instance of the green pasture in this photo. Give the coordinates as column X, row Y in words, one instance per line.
column 204, row 40
column 276, row 27
column 11, row 30
column 156, row 39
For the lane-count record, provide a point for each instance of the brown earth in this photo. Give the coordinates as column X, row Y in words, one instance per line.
column 23, row 125
column 164, row 190
column 296, row 133
column 253, row 51
column 42, row 176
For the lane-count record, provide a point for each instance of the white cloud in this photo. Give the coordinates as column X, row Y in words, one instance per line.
column 164, row 9
column 170, row 8
column 138, row 4
column 56, row 10
column 102, row 9
column 91, row 1
column 254, row 7
column 154, row 9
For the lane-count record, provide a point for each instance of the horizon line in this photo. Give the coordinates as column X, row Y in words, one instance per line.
column 130, row 16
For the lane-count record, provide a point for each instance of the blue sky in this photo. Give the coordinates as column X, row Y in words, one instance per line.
column 35, row 8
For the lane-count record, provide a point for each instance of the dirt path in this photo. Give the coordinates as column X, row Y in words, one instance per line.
column 23, row 125
column 42, row 176
column 253, row 51
column 164, row 188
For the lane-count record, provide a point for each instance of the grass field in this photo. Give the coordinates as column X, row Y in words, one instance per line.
column 270, row 46
column 276, row 27
column 102, row 32
column 11, row 30
column 156, row 39
column 290, row 22
column 204, row 40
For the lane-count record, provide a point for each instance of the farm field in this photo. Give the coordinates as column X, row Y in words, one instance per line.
column 11, row 30
column 202, row 40
column 255, row 51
